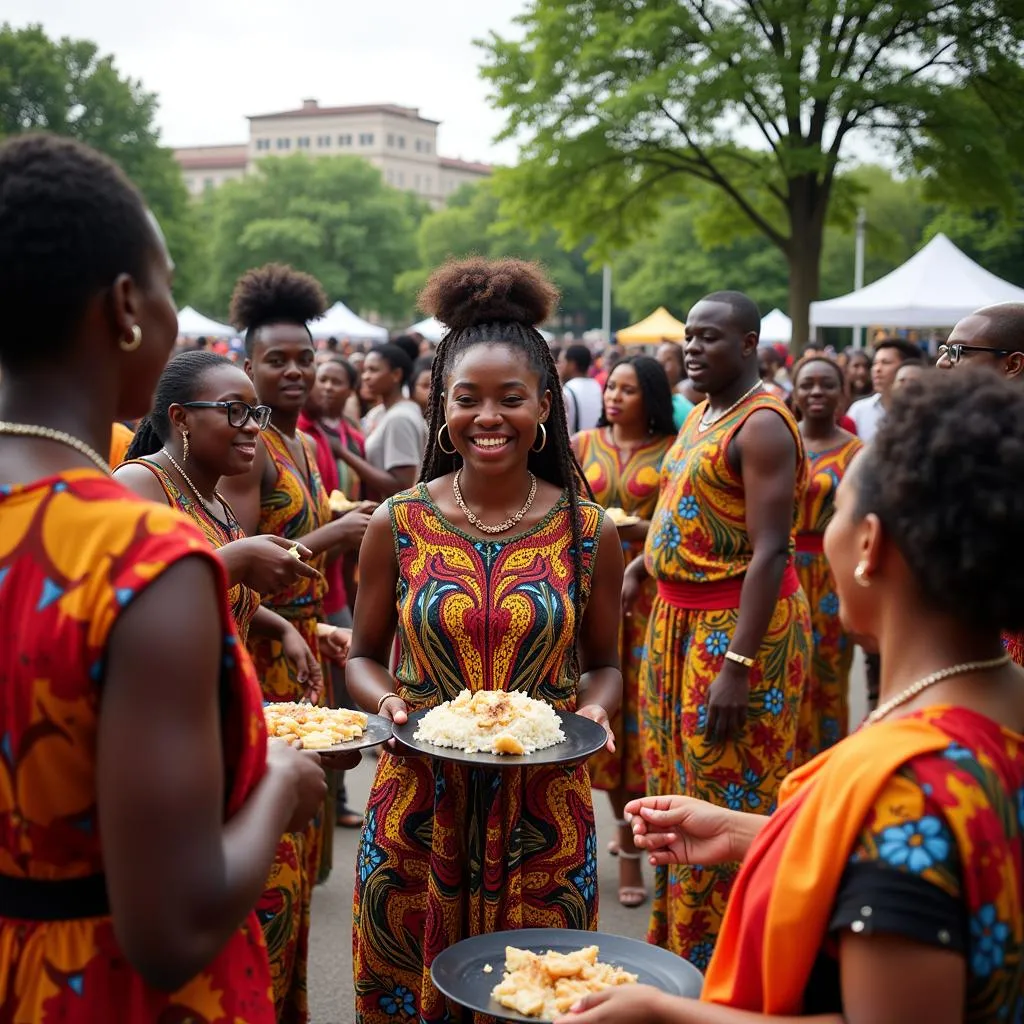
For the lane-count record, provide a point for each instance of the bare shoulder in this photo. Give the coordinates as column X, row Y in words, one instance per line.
column 141, row 481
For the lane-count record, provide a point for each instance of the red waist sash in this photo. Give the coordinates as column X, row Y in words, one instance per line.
column 719, row 596
column 810, row 543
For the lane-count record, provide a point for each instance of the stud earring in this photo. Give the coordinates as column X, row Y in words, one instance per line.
column 131, row 346
column 860, row 574
column 184, row 446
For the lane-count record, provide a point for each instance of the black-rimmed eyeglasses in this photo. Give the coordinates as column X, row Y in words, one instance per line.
column 952, row 353
column 238, row 412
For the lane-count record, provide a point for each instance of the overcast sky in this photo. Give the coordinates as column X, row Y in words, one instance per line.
column 212, row 62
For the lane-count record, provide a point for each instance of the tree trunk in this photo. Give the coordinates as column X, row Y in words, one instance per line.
column 808, row 202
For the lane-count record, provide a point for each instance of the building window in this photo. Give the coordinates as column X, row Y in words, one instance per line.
column 366, row 139
column 426, row 147
column 428, row 183
column 207, row 184
column 284, row 143
column 417, row 185
column 419, row 145
column 323, row 141
column 303, row 142
column 391, row 142
column 344, row 140
column 263, row 144
column 401, row 179
column 401, row 142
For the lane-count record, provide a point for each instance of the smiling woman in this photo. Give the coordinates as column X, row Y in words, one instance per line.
column 529, row 602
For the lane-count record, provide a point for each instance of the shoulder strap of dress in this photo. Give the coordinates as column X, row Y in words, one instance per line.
column 172, row 492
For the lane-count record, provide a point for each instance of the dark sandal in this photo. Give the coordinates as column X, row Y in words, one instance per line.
column 348, row 818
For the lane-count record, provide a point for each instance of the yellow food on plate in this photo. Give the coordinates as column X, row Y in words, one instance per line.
column 492, row 722
column 340, row 503
column 294, row 552
column 317, row 728
column 620, row 517
column 547, row 985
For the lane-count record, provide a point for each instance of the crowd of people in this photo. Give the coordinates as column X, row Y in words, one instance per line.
column 681, row 546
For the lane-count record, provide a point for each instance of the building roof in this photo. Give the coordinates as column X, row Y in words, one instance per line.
column 212, row 158
column 449, row 163
column 312, row 108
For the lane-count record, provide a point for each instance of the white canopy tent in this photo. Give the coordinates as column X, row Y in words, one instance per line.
column 192, row 324
column 776, row 328
column 433, row 330
column 340, row 322
column 936, row 287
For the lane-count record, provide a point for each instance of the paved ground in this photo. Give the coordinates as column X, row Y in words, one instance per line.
column 330, row 967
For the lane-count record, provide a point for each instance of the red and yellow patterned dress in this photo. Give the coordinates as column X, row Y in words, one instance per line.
column 698, row 550
column 632, row 485
column 245, row 601
column 75, row 550
column 297, row 505
column 824, row 706
column 446, row 851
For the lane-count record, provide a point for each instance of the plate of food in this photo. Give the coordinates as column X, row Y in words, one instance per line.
column 325, row 730
column 621, row 518
column 537, row 974
column 500, row 729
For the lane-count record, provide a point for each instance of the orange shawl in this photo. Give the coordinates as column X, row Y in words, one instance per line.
column 779, row 910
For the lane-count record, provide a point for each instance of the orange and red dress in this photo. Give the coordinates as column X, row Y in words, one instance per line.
column 698, row 551
column 75, row 550
column 824, row 707
column 447, row 851
column 629, row 483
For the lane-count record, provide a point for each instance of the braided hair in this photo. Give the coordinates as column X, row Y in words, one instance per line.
column 655, row 393
column 179, row 383
column 500, row 302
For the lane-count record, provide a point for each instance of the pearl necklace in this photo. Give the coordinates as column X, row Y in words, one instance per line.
column 195, row 490
column 706, row 424
column 49, row 434
column 936, row 677
column 501, row 527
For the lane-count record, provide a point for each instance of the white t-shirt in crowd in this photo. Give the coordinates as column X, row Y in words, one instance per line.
column 583, row 403
column 867, row 414
column 399, row 438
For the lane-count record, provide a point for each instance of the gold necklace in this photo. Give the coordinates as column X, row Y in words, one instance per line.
column 501, row 527
column 195, row 490
column 706, row 424
column 49, row 434
column 936, row 677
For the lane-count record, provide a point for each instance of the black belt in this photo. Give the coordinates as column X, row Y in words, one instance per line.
column 66, row 899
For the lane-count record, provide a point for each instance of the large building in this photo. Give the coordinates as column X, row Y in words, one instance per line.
column 396, row 139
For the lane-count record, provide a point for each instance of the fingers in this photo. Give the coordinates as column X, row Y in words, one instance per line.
column 302, row 569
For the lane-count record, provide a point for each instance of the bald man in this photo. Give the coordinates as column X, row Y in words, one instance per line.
column 992, row 337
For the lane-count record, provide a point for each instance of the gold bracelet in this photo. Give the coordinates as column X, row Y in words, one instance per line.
column 387, row 696
column 739, row 659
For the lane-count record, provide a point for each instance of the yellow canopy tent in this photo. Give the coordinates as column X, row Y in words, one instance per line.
column 661, row 325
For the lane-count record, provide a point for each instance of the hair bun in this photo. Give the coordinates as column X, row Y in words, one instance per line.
column 464, row 293
column 276, row 293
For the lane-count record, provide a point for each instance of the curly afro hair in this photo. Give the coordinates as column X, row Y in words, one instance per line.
column 275, row 294
column 70, row 224
column 945, row 475
column 465, row 293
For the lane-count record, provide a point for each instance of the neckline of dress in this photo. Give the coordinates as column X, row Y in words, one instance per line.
column 425, row 494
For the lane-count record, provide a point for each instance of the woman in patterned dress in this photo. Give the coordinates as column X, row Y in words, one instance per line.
column 495, row 594
column 621, row 460
column 720, row 548
column 817, row 394
column 140, row 804
column 282, row 495
column 889, row 885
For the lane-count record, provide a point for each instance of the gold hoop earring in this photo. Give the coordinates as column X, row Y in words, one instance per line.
column 543, row 439
column 860, row 574
column 184, row 446
column 131, row 346
column 440, row 443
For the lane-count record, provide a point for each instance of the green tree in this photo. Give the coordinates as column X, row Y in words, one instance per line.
column 622, row 103
column 66, row 86
column 332, row 217
column 471, row 223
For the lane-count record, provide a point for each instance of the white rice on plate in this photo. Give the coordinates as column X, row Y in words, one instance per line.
column 492, row 722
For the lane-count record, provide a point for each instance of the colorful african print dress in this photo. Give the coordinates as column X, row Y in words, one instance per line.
column 446, row 851
column 245, row 601
column 632, row 485
column 297, row 505
column 912, row 828
column 698, row 550
column 824, row 706
column 75, row 550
